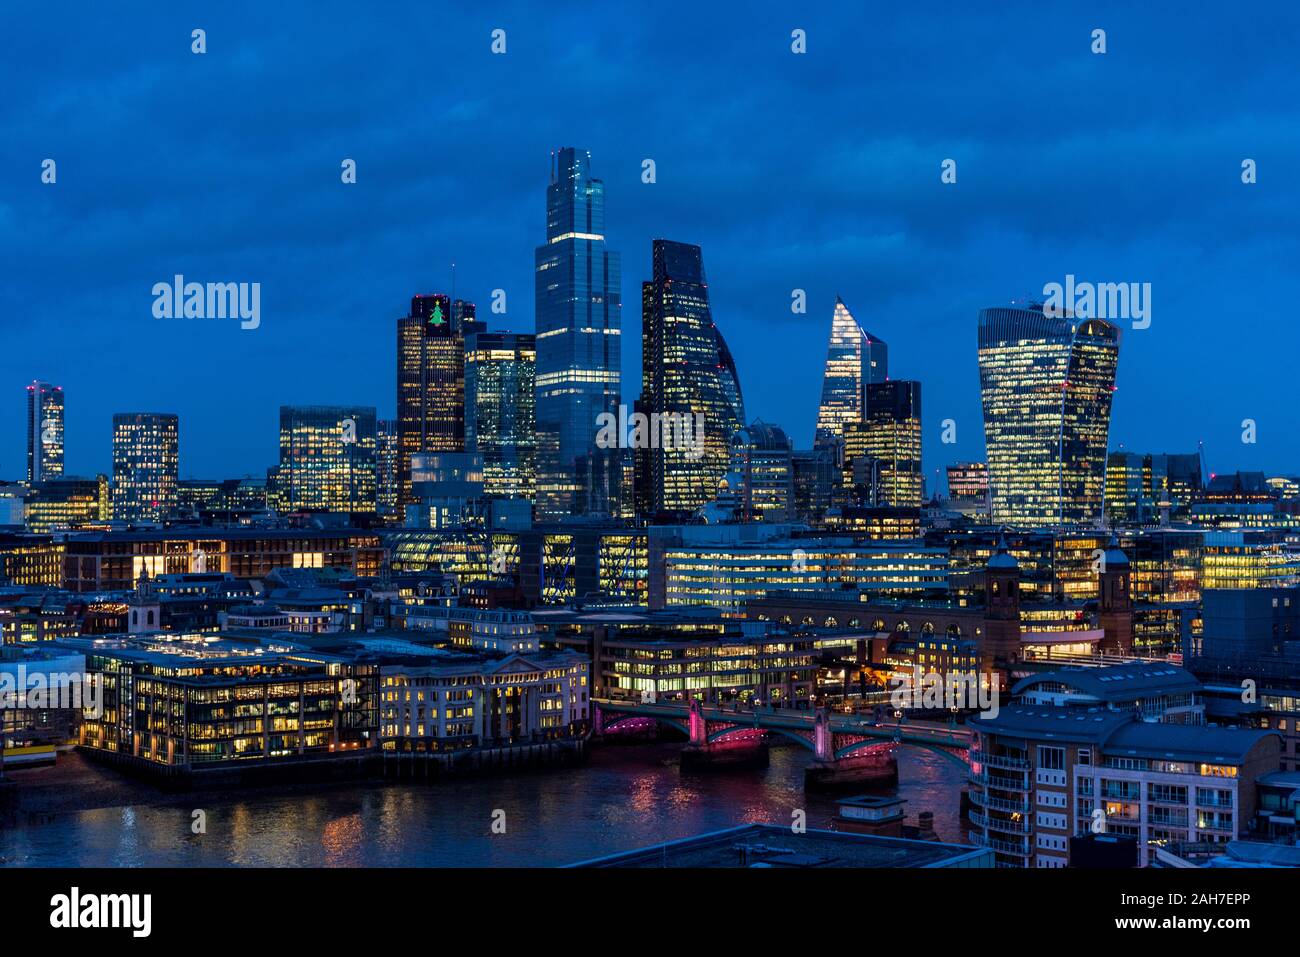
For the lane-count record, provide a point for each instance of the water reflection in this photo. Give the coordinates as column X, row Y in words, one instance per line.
column 627, row 796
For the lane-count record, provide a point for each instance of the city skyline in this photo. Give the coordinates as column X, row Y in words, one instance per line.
column 874, row 222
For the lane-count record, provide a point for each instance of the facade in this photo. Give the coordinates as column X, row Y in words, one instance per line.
column 761, row 459
column 146, row 462
column 463, row 702
column 814, row 483
column 1042, row 774
column 968, row 489
column 500, row 413
column 182, row 702
column 117, row 561
column 67, row 503
column 753, row 662
column 892, row 439
column 854, row 358
column 578, row 297
column 1139, row 487
column 431, row 379
column 1046, row 387
column 388, row 485
column 686, row 371
column 221, row 499
column 44, row 431
column 327, row 458
column 719, row 567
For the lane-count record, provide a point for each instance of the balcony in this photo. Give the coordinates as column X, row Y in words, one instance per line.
column 1001, row 782
column 984, row 800
column 1019, row 849
column 1004, row 825
column 999, row 761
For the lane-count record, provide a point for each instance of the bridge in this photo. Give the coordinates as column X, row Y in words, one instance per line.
column 847, row 749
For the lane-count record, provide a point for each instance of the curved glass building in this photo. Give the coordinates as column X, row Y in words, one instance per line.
column 1046, row 385
column 686, row 370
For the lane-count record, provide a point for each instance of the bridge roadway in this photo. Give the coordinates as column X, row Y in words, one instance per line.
column 926, row 735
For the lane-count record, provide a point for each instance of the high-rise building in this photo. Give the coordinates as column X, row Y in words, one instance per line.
column 854, row 358
column 814, row 483
column 1046, row 385
column 578, row 310
column 431, row 379
column 327, row 458
column 146, row 461
column 500, row 402
column 44, row 431
column 688, row 379
column 892, row 421
column 388, row 484
column 761, row 457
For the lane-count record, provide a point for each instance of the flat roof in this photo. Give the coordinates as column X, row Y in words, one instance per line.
column 774, row 845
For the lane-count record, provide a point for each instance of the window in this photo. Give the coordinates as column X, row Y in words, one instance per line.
column 1051, row 759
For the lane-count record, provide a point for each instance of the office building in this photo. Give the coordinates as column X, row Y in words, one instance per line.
column 1046, row 386
column 431, row 379
column 67, row 503
column 146, row 460
column 688, row 377
column 327, row 458
column 578, row 298
column 761, row 458
column 44, row 431
column 892, row 440
column 388, row 484
column 500, row 406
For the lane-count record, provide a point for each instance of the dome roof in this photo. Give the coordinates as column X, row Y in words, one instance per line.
column 1003, row 558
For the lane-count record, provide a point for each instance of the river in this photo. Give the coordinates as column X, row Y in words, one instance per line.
column 626, row 796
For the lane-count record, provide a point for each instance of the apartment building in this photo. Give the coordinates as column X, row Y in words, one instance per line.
column 1042, row 773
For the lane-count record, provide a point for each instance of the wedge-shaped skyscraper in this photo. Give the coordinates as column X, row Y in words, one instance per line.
column 1046, row 385
column 854, row 359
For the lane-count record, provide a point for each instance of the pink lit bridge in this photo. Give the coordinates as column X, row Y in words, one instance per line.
column 846, row 748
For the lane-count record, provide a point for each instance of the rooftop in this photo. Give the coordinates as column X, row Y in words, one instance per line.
column 772, row 845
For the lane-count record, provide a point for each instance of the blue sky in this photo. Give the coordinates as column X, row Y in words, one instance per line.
column 818, row 171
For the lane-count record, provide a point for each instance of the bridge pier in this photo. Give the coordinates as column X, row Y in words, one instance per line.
column 864, row 768
column 736, row 747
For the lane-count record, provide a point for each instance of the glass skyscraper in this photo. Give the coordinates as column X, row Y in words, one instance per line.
column 44, row 431
column 686, row 370
column 500, row 397
column 1047, row 387
column 146, row 462
column 578, row 309
column 327, row 458
column 891, row 440
column 854, row 358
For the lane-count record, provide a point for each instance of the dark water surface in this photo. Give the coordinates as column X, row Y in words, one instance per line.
column 626, row 797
